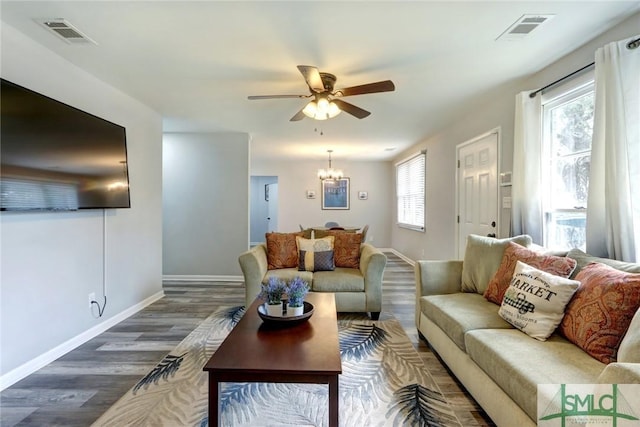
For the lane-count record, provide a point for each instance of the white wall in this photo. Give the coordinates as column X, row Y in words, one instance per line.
column 495, row 110
column 296, row 177
column 50, row 262
column 205, row 203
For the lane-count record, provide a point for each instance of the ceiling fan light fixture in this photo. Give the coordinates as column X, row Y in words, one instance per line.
column 321, row 87
column 334, row 110
column 322, row 109
column 310, row 109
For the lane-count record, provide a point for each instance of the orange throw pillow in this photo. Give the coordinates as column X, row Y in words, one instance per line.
column 601, row 310
column 498, row 285
column 346, row 249
column 282, row 250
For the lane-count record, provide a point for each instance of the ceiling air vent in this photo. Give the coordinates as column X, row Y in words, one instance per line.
column 524, row 26
column 67, row 32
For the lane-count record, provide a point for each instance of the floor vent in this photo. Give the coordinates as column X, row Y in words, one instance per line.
column 67, row 32
column 524, row 26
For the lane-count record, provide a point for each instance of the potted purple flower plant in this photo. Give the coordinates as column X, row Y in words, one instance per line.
column 296, row 291
column 272, row 293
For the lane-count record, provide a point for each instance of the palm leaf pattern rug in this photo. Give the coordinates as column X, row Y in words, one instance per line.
column 383, row 383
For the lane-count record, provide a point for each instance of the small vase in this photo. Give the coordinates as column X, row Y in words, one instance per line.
column 274, row 310
column 295, row 311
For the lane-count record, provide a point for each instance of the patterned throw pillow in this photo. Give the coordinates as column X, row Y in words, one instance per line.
column 316, row 261
column 600, row 313
column 315, row 254
column 282, row 251
column 556, row 265
column 347, row 249
column 535, row 300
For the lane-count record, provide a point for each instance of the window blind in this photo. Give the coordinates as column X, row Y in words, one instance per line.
column 410, row 190
column 28, row 195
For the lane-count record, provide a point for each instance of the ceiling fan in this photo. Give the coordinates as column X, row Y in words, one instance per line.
column 326, row 101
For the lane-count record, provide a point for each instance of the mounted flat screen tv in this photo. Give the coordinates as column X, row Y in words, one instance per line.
column 54, row 157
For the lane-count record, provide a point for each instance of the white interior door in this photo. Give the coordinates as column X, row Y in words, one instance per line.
column 477, row 188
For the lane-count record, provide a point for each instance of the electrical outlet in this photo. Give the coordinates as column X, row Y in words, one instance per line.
column 371, row 238
column 92, row 297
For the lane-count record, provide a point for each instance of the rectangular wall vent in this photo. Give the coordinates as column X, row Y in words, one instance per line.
column 67, row 32
column 524, row 26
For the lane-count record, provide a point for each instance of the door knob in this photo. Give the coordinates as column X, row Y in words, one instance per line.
column 493, row 224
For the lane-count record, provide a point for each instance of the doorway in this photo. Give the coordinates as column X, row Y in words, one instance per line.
column 263, row 207
column 477, row 188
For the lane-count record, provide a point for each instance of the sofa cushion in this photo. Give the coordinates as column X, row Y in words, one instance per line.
column 282, row 250
column 535, row 300
column 339, row 280
column 620, row 373
column 556, row 265
column 583, row 259
column 319, row 233
column 456, row 314
column 482, row 258
column 629, row 350
column 517, row 364
column 602, row 309
column 307, row 233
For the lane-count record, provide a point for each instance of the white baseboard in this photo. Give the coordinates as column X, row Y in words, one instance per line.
column 400, row 255
column 201, row 278
column 44, row 359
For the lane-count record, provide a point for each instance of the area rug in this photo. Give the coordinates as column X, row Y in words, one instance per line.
column 383, row 383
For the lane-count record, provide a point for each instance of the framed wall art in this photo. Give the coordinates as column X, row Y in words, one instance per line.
column 335, row 193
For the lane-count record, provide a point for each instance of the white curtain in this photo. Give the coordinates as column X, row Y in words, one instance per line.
column 526, row 199
column 613, row 209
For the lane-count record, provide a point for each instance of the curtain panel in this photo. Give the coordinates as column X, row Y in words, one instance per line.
column 526, row 205
column 613, row 211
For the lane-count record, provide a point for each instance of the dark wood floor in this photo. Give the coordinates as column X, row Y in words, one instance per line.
column 78, row 387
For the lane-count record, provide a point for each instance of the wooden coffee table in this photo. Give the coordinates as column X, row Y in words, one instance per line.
column 254, row 351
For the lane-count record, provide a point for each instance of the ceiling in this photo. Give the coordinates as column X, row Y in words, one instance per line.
column 196, row 62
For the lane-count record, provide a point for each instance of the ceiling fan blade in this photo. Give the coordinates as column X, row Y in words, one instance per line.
column 276, row 96
column 351, row 109
column 299, row 116
column 312, row 77
column 383, row 86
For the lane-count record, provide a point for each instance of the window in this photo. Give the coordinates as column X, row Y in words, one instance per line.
column 410, row 190
column 567, row 130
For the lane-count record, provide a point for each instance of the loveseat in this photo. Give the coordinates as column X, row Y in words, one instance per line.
column 356, row 278
column 499, row 364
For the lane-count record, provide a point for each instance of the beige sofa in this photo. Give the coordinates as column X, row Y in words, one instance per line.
column 356, row 289
column 499, row 365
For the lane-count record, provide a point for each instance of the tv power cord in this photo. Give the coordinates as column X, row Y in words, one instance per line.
column 100, row 309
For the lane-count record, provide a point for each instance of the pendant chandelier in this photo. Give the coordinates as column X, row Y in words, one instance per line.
column 330, row 174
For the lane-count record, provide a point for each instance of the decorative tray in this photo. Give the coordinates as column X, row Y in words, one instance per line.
column 285, row 319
